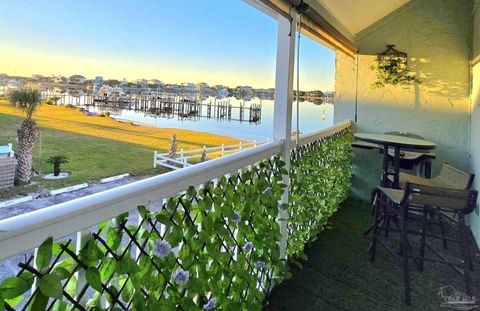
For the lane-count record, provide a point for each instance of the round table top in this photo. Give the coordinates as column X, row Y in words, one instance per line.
column 396, row 141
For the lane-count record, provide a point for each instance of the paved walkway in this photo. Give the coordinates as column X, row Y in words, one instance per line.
column 9, row 267
column 22, row 208
column 339, row 276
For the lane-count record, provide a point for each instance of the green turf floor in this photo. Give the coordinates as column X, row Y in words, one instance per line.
column 339, row 276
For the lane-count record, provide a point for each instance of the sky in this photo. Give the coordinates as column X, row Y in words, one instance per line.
column 224, row 42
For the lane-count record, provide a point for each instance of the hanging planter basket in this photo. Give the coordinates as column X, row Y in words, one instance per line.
column 392, row 69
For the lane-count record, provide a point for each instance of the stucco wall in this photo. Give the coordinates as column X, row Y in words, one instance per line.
column 436, row 34
column 475, row 128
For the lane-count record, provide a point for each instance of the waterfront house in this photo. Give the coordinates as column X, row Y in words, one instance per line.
column 98, row 81
column 37, row 77
column 140, row 82
column 155, row 83
column 222, row 91
column 173, row 88
column 60, row 79
column 75, row 92
column 14, row 84
column 76, row 79
column 243, row 91
column 188, row 87
column 200, row 86
column 263, row 93
column 59, row 90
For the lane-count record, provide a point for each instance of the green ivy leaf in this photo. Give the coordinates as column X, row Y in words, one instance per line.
column 68, row 264
column 13, row 287
column 128, row 290
column 57, row 248
column 127, row 265
column 71, row 287
column 191, row 192
column 111, row 294
column 122, row 217
column 139, row 302
column 95, row 303
column 142, row 211
column 44, row 254
column 59, row 305
column 113, row 238
column 39, row 302
column 163, row 218
column 175, row 237
column 12, row 302
column 93, row 278
column 154, row 305
column 51, row 286
column 108, row 268
column 61, row 273
column 90, row 253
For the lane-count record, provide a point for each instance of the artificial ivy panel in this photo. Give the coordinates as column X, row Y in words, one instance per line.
column 213, row 248
column 320, row 177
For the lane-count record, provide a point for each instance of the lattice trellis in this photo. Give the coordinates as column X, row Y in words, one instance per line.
column 214, row 246
column 320, row 177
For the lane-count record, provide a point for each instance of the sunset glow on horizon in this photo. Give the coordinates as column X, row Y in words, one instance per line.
column 218, row 42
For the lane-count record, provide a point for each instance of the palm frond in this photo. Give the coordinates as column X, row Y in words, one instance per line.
column 57, row 160
column 26, row 100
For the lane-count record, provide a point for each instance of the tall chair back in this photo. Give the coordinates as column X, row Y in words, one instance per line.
column 455, row 178
column 450, row 199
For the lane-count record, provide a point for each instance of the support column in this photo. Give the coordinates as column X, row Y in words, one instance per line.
column 282, row 113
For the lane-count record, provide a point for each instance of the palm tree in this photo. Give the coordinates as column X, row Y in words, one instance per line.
column 28, row 101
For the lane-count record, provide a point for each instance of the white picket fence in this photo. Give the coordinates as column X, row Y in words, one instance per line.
column 183, row 157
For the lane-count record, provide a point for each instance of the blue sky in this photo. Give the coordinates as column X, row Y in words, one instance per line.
column 215, row 41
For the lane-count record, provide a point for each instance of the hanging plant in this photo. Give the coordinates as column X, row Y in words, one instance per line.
column 391, row 68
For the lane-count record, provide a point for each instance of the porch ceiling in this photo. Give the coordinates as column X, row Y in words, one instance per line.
column 356, row 15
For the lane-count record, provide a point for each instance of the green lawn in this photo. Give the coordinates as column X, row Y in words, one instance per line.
column 90, row 158
column 97, row 147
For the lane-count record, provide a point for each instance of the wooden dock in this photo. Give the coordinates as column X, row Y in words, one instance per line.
column 169, row 106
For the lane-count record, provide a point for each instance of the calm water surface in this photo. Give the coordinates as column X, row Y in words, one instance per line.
column 312, row 117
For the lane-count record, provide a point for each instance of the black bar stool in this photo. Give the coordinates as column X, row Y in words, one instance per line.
column 395, row 204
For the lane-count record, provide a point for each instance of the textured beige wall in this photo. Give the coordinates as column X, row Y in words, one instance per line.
column 436, row 34
column 475, row 129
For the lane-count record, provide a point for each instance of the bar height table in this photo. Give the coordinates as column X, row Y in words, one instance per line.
column 396, row 142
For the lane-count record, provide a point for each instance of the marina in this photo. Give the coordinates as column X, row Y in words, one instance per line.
column 246, row 118
column 168, row 106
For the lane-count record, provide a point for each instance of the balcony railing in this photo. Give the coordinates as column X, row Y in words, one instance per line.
column 205, row 236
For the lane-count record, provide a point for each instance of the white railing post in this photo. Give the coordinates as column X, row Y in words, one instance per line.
column 82, row 239
column 282, row 112
column 181, row 155
column 155, row 159
column 240, row 146
column 254, row 143
column 223, row 150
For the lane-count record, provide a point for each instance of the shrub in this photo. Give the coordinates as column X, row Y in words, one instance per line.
column 56, row 161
